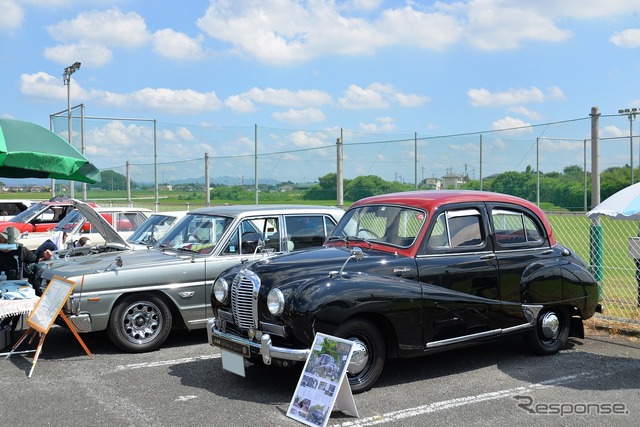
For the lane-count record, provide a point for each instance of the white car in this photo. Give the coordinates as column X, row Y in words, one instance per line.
column 12, row 207
column 156, row 226
column 86, row 221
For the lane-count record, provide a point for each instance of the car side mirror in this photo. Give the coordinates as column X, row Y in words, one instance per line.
column 355, row 254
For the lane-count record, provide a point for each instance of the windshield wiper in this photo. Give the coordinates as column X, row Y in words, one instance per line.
column 357, row 239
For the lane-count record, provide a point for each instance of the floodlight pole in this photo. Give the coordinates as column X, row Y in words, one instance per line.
column 67, row 81
column 631, row 113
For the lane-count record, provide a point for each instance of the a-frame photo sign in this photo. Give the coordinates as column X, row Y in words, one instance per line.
column 48, row 308
column 323, row 385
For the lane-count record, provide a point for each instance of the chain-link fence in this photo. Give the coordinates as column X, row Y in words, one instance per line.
column 168, row 154
column 607, row 251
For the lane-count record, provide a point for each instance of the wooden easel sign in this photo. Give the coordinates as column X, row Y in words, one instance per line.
column 48, row 308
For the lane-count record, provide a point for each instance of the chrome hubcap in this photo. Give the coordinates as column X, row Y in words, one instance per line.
column 359, row 357
column 550, row 325
column 141, row 321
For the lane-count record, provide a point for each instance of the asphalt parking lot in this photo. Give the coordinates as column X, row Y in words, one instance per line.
column 596, row 380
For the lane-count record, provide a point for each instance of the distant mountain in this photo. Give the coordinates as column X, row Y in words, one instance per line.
column 219, row 180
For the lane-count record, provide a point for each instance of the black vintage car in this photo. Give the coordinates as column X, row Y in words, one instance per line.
column 405, row 275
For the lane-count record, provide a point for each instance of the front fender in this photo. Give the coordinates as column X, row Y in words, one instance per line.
column 321, row 305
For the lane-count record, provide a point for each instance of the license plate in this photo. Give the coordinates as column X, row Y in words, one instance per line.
column 240, row 349
column 232, row 362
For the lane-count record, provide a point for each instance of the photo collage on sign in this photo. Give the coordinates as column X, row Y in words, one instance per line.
column 320, row 380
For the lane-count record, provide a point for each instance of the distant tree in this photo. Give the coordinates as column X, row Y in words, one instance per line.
column 371, row 185
column 516, row 184
column 326, row 189
column 613, row 180
column 111, row 180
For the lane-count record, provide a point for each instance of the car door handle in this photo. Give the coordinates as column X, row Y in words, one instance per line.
column 490, row 256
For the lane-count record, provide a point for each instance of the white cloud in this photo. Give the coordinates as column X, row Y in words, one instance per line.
column 555, row 145
column 302, row 139
column 555, row 93
column 174, row 101
column 286, row 97
column 377, row 96
column 532, row 115
column 120, row 140
column 11, row 17
column 485, row 98
column 174, row 45
column 613, row 132
column 44, row 86
column 515, row 126
column 300, row 117
column 239, row 104
column 499, row 25
column 109, row 28
column 382, row 124
column 291, row 31
column 92, row 55
column 626, row 39
column 179, row 134
column 90, row 36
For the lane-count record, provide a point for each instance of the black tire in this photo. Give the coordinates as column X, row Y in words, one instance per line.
column 551, row 331
column 366, row 334
column 139, row 323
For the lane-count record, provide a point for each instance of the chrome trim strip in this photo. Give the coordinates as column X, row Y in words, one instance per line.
column 86, row 294
column 449, row 341
column 517, row 328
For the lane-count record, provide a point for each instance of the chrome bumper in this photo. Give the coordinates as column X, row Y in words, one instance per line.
column 264, row 348
column 82, row 322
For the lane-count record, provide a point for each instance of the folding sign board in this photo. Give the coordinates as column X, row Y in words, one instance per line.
column 323, row 383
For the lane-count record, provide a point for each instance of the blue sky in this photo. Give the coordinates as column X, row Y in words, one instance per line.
column 208, row 71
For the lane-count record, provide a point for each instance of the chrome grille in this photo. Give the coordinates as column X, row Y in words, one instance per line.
column 244, row 299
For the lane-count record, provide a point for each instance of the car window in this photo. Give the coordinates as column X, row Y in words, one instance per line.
column 393, row 225
column 129, row 221
column 514, row 228
column 457, row 229
column 246, row 237
column 305, row 231
column 196, row 233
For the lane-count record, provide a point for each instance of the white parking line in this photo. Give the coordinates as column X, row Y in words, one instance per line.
column 403, row 414
column 165, row 362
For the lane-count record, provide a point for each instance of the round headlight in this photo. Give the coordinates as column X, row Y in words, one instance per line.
column 275, row 302
column 221, row 290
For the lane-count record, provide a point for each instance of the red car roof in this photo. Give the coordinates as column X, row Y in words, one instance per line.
column 429, row 200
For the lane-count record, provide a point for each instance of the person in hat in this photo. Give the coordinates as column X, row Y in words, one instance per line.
column 14, row 260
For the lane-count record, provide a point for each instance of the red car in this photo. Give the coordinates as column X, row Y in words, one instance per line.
column 39, row 217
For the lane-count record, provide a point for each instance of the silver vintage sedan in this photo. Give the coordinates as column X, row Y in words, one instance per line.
column 138, row 296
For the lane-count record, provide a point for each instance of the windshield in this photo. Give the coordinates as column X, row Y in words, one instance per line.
column 26, row 215
column 196, row 233
column 71, row 222
column 152, row 230
column 393, row 225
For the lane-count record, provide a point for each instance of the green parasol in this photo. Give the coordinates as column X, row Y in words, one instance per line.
column 28, row 150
